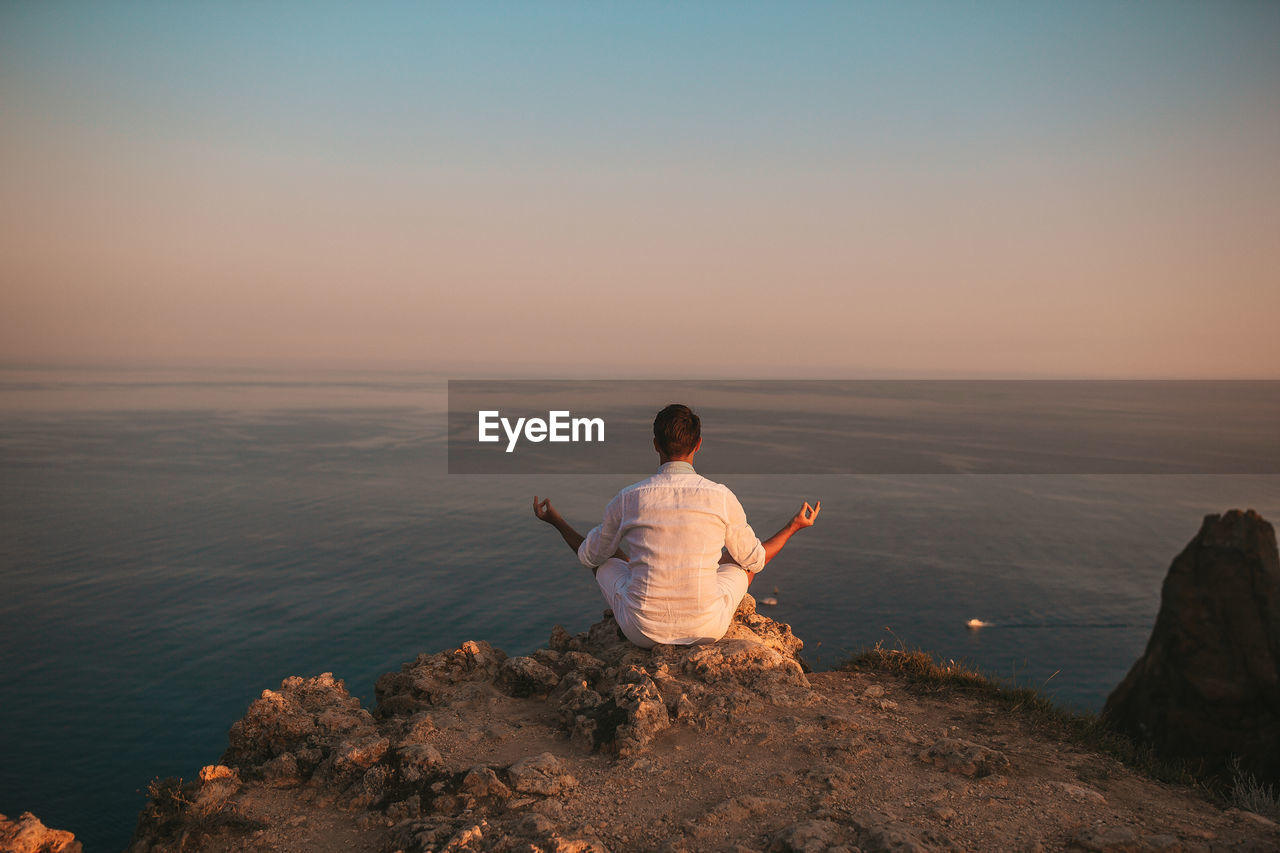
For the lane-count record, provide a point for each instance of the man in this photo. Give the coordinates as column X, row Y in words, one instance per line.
column 674, row 555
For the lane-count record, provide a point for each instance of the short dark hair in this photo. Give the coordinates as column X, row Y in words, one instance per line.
column 677, row 430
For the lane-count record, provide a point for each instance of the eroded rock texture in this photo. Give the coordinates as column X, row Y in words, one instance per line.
column 28, row 835
column 605, row 695
column 1208, row 687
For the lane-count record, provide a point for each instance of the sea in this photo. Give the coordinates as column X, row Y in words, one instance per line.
column 173, row 542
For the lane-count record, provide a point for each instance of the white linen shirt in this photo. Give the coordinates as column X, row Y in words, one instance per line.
column 672, row 527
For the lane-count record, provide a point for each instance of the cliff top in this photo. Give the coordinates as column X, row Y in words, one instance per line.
column 594, row 744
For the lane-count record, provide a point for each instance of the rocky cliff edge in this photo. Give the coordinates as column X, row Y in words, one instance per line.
column 593, row 744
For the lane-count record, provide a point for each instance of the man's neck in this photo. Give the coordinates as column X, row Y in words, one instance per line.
column 676, row 464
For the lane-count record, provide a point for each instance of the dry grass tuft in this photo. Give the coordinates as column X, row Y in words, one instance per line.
column 1251, row 795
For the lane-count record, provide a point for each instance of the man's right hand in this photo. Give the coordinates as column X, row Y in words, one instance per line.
column 545, row 511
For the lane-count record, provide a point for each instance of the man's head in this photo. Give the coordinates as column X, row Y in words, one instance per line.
column 677, row 432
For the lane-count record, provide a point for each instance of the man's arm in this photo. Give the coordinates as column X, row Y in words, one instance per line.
column 546, row 512
column 806, row 516
column 802, row 519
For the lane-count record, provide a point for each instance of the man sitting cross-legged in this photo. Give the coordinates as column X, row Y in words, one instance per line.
column 674, row 554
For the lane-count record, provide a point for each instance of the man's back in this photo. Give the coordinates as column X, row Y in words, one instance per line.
column 672, row 527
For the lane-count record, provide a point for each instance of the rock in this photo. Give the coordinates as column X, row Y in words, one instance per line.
column 748, row 624
column 640, row 713
column 1079, row 793
column 561, row 640
column 738, row 809
column 526, row 676
column 548, row 657
column 537, row 824
column 216, row 784
column 428, row 679
column 465, row 839
column 419, row 729
column 368, row 788
column 605, row 634
column 28, row 835
column 304, row 713
column 214, row 772
column 418, row 761
column 583, row 666
column 963, row 757
column 406, row 809
column 749, row 662
column 482, row 783
column 1208, row 686
column 809, row 836
column 1109, row 839
column 355, row 756
column 582, row 710
column 831, row 778
column 541, row 774
column 282, row 771
column 878, row 833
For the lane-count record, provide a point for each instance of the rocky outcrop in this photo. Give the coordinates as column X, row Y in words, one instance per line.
column 592, row 744
column 604, row 695
column 28, row 835
column 1208, row 687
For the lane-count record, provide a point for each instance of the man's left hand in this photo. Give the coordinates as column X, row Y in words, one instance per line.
column 806, row 516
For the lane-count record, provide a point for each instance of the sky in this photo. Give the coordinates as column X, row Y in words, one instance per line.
column 906, row 189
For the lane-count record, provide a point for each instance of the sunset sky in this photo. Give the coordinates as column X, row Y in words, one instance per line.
column 654, row 189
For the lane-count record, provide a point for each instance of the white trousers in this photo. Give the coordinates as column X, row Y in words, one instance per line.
column 614, row 577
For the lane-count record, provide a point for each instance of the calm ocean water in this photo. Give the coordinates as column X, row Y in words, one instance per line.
column 173, row 543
